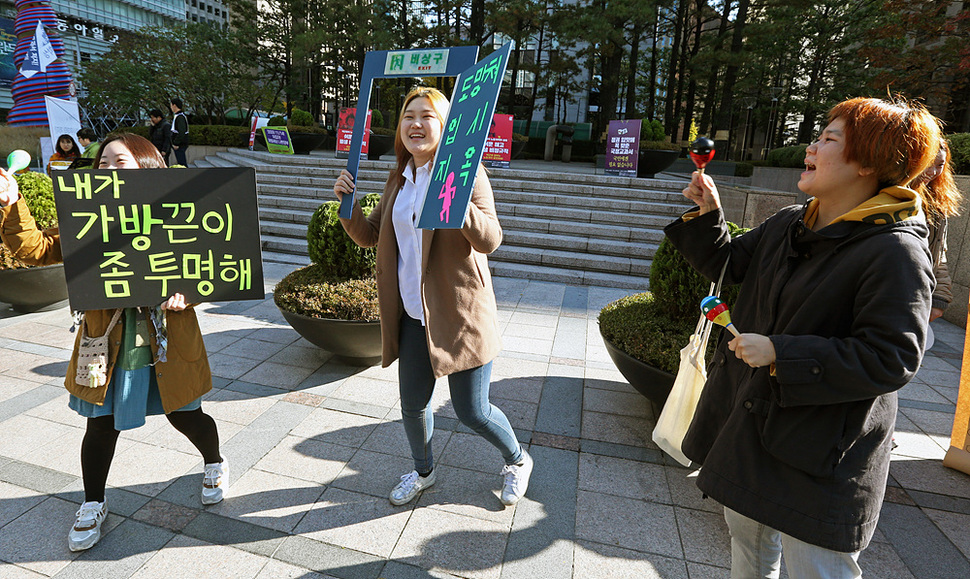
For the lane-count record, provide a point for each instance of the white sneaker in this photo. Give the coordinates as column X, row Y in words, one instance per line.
column 214, row 482
column 411, row 484
column 516, row 479
column 87, row 528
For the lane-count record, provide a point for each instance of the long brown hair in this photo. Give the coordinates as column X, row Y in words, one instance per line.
column 440, row 104
column 142, row 150
column 941, row 197
column 897, row 140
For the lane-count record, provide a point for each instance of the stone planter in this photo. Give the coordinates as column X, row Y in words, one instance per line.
column 34, row 289
column 303, row 143
column 653, row 161
column 356, row 343
column 379, row 145
column 652, row 382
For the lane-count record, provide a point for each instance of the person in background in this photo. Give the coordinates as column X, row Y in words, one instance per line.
column 437, row 305
column 180, row 131
column 793, row 428
column 65, row 152
column 941, row 200
column 89, row 141
column 157, row 363
column 160, row 134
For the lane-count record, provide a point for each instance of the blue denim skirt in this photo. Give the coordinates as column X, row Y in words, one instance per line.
column 132, row 395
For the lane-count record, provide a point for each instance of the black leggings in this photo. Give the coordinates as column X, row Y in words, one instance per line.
column 100, row 439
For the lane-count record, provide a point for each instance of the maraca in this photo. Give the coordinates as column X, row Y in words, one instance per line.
column 17, row 160
column 717, row 311
column 701, row 152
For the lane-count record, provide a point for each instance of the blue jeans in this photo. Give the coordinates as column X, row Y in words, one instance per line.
column 469, row 395
column 756, row 552
column 180, row 155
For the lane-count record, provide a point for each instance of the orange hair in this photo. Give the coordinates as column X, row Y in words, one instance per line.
column 898, row 140
column 440, row 104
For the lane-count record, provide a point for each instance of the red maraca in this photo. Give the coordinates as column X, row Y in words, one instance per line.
column 717, row 311
column 701, row 152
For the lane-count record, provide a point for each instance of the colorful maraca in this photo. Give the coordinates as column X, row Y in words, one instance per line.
column 17, row 160
column 717, row 311
column 701, row 152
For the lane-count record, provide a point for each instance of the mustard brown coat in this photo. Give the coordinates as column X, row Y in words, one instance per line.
column 456, row 287
column 181, row 379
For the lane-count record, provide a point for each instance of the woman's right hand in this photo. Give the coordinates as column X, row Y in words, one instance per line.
column 344, row 184
column 9, row 192
column 702, row 192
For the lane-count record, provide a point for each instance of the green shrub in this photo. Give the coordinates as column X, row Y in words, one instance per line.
column 652, row 130
column 331, row 247
column 383, row 131
column 37, row 189
column 276, row 121
column 301, row 118
column 793, row 157
column 743, row 169
column 213, row 135
column 314, row 292
column 659, row 145
column 960, row 152
column 376, row 119
column 653, row 326
column 517, row 138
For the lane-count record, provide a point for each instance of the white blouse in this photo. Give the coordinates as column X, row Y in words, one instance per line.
column 405, row 220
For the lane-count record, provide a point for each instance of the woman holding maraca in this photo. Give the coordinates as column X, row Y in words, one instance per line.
column 794, row 425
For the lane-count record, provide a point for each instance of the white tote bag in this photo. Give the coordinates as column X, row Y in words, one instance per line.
column 678, row 411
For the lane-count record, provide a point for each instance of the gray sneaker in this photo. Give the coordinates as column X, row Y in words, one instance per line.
column 516, row 479
column 87, row 528
column 411, row 484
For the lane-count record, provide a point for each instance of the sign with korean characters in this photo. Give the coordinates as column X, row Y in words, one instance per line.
column 135, row 237
column 389, row 64
column 462, row 142
column 345, row 132
column 622, row 148
column 498, row 146
column 416, row 62
column 277, row 140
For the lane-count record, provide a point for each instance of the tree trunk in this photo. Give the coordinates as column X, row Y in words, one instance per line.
column 652, row 87
column 516, row 58
column 707, row 123
column 631, row 77
column 535, row 78
column 692, row 84
column 670, row 122
column 476, row 22
column 722, row 122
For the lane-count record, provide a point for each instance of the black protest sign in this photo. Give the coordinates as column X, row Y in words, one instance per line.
column 136, row 237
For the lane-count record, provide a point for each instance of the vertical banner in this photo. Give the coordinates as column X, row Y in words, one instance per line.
column 63, row 118
column 498, row 146
column 135, row 237
column 345, row 132
column 622, row 148
column 958, row 455
column 8, row 43
column 462, row 141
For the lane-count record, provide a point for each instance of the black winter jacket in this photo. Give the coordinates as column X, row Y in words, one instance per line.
column 161, row 136
column 806, row 451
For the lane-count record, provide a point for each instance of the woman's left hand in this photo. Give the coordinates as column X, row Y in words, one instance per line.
column 176, row 303
column 754, row 349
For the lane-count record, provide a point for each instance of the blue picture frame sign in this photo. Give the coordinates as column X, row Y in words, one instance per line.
column 449, row 61
column 462, row 143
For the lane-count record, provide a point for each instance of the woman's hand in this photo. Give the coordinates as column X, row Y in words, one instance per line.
column 344, row 184
column 9, row 192
column 702, row 192
column 176, row 303
column 754, row 349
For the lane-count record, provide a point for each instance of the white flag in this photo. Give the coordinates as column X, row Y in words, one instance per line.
column 40, row 53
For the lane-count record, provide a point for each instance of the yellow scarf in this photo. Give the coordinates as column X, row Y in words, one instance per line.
column 891, row 205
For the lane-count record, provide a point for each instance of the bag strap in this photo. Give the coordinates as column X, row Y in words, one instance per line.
column 111, row 324
column 704, row 325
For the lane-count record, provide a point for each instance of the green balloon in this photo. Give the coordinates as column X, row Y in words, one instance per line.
column 17, row 160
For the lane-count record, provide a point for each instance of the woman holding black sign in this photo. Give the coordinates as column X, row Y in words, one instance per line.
column 438, row 312
column 156, row 362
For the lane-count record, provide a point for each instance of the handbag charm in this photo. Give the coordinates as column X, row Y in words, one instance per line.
column 92, row 355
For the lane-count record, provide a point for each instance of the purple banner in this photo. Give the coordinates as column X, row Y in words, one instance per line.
column 622, row 148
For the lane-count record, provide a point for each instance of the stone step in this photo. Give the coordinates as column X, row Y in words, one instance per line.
column 624, row 265
column 287, row 258
column 576, row 243
column 570, row 276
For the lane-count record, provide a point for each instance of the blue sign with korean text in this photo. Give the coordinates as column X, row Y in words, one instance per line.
column 462, row 142
column 135, row 237
column 397, row 64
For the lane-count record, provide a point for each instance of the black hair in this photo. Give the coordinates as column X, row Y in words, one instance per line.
column 156, row 113
column 87, row 133
column 176, row 101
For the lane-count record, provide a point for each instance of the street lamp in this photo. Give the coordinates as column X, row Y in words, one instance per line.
column 749, row 104
column 772, row 120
